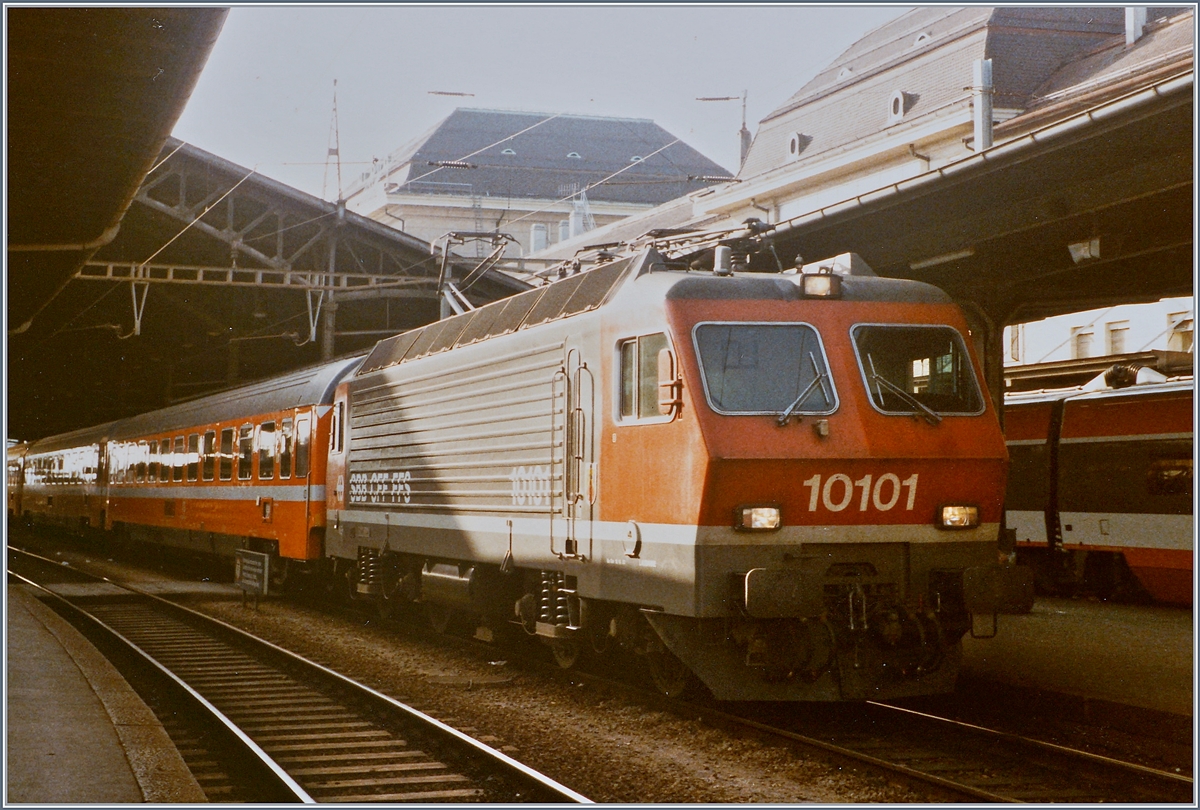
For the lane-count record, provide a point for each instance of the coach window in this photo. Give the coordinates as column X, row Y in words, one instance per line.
column 302, row 439
column 143, row 454
column 226, row 454
column 266, row 450
column 193, row 457
column 245, row 452
column 152, row 468
column 208, row 459
column 177, row 462
column 639, row 376
column 165, row 459
column 285, row 449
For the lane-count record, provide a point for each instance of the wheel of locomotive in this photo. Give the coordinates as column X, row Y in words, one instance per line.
column 670, row 676
column 567, row 651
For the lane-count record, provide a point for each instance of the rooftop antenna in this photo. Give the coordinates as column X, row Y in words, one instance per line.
column 334, row 151
column 744, row 133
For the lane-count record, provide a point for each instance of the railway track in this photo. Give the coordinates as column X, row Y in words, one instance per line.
column 960, row 760
column 970, row 761
column 279, row 728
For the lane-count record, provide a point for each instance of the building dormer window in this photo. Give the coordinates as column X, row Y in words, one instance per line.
column 636, row 159
column 899, row 104
column 797, row 142
column 922, row 38
column 845, row 73
column 574, row 155
column 509, row 152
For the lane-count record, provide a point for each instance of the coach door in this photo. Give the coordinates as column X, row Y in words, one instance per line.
column 303, row 461
column 572, row 453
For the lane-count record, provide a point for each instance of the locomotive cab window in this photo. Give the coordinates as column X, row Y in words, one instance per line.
column 640, row 360
column 764, row 368
column 917, row 370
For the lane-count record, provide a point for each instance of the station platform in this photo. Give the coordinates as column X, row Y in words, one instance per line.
column 1119, row 664
column 77, row 732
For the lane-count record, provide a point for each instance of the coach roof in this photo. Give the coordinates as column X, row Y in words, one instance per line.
column 310, row 386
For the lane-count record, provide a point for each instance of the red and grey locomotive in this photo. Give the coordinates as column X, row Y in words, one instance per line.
column 787, row 485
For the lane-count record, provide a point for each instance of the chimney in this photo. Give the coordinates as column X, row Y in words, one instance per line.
column 981, row 90
column 1135, row 23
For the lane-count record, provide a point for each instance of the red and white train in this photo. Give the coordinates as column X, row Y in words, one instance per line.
column 789, row 485
column 1101, row 482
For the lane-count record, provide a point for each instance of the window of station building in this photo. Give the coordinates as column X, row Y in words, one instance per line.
column 285, row 448
column 193, row 456
column 1181, row 337
column 152, row 467
column 226, row 454
column 303, row 429
column 1081, row 341
column 208, row 460
column 246, row 452
column 177, row 461
column 143, row 455
column 266, row 450
column 1118, row 333
column 639, row 376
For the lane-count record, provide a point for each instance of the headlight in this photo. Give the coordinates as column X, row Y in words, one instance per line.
column 821, row 285
column 958, row 517
column 757, row 518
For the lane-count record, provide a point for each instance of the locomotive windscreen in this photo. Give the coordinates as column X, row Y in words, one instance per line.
column 764, row 368
column 917, row 368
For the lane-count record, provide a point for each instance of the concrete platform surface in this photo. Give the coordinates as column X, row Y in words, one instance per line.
column 77, row 732
column 1133, row 655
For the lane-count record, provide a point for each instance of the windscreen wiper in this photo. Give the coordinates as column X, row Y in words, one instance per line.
column 818, row 379
column 930, row 416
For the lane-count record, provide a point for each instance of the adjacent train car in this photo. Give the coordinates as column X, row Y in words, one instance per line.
column 789, row 485
column 1102, row 487
column 14, row 462
column 231, row 470
column 64, row 480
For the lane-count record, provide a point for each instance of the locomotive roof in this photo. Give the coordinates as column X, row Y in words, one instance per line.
column 309, row 386
column 786, row 287
column 587, row 291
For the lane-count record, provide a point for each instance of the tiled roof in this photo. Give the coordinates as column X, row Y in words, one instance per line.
column 546, row 156
column 927, row 54
column 1168, row 41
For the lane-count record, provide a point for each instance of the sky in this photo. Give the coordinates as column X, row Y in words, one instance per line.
column 265, row 97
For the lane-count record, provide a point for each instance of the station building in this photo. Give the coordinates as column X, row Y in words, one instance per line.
column 540, row 177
